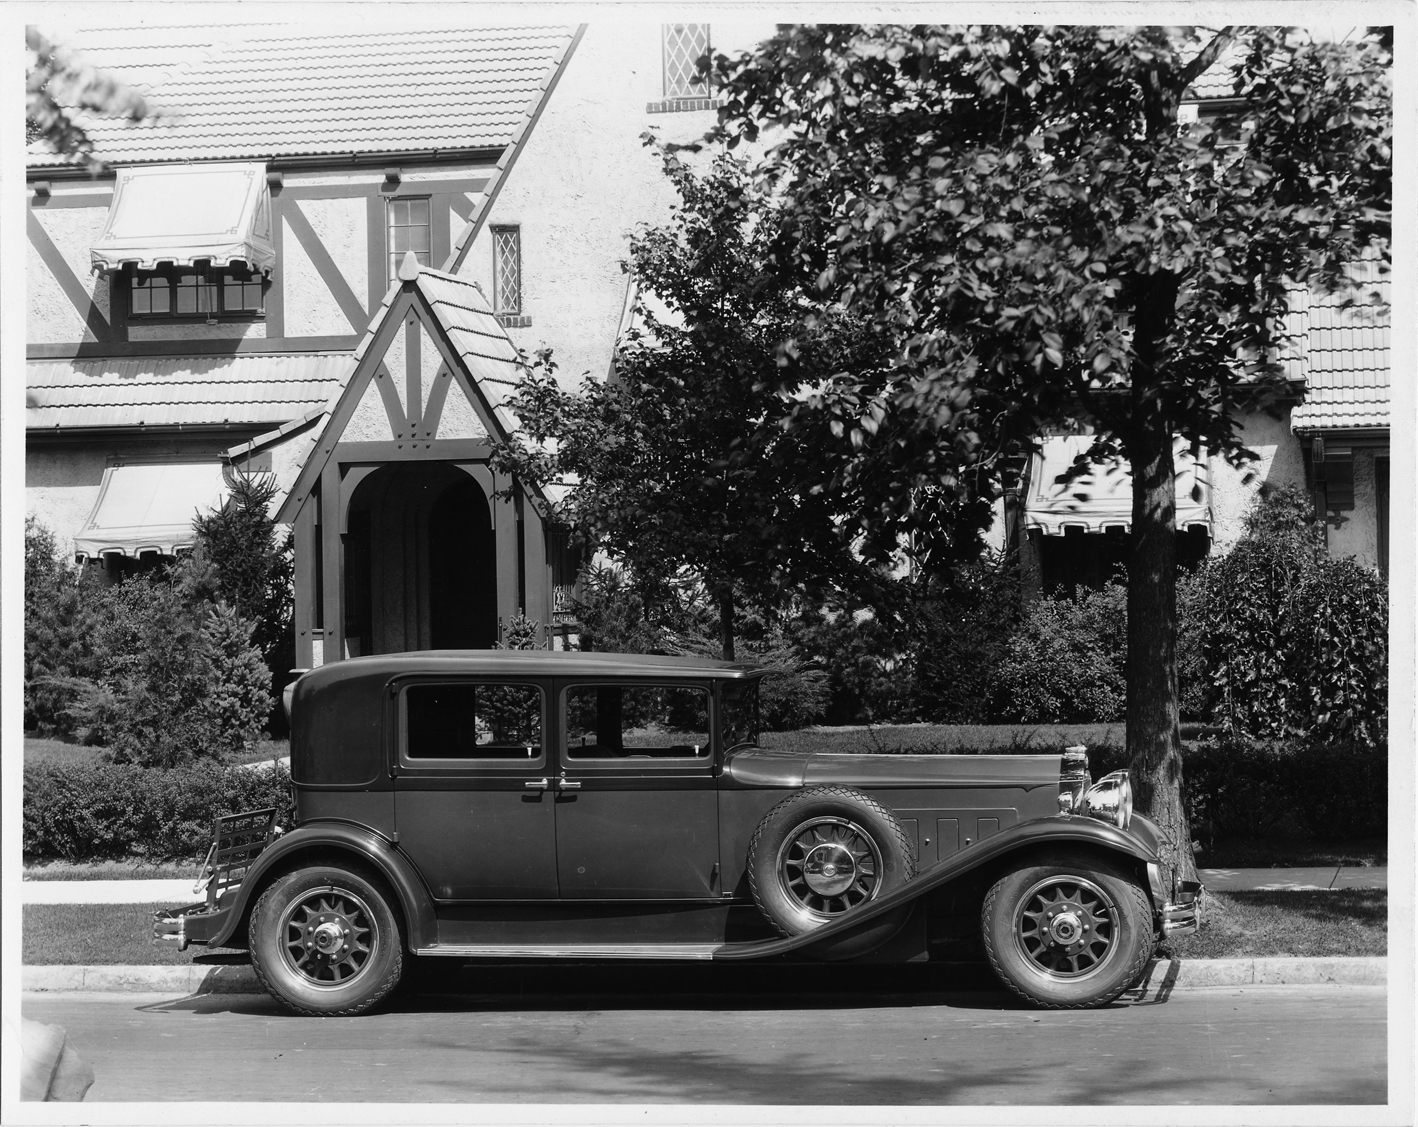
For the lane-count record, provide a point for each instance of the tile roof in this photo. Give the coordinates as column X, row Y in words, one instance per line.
column 260, row 389
column 1343, row 356
column 257, row 90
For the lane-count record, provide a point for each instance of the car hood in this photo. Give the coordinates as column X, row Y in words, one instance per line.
column 767, row 768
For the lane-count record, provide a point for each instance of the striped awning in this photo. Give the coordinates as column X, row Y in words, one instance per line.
column 1102, row 497
column 149, row 507
column 182, row 214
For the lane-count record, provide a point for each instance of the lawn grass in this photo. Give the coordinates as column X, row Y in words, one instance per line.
column 98, row 935
column 112, row 870
column 1238, row 925
column 1349, row 921
column 1294, row 853
column 947, row 739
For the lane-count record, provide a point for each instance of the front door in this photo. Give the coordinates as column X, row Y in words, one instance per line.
column 473, row 801
column 637, row 811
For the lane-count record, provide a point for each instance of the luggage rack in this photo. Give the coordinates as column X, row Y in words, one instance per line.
column 237, row 840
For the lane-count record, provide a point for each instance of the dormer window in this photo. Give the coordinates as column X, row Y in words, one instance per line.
column 201, row 291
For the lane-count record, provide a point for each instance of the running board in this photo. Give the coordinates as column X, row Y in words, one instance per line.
column 573, row 950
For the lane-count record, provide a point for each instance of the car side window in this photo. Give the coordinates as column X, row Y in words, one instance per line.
column 634, row 721
column 472, row 720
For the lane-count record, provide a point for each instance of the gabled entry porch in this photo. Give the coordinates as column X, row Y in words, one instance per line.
column 405, row 536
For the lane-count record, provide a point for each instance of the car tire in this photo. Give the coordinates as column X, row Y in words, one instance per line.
column 1067, row 932
column 326, row 941
column 822, row 852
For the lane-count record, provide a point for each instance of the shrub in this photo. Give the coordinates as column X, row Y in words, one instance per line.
column 869, row 673
column 1065, row 662
column 960, row 634
column 1296, row 641
column 101, row 811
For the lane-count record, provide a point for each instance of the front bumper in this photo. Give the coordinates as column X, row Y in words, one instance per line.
column 1179, row 916
column 196, row 923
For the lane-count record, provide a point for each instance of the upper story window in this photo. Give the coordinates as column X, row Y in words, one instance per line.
column 507, row 273
column 409, row 230
column 201, row 291
column 684, row 45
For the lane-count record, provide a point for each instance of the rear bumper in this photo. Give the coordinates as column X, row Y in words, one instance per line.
column 196, row 923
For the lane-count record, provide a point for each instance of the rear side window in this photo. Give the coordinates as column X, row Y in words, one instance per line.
column 472, row 720
column 631, row 721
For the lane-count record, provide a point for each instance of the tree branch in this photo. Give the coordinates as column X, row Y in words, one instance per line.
column 1204, row 61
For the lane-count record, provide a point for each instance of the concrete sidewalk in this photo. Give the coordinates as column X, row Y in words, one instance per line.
column 175, row 893
column 1159, row 980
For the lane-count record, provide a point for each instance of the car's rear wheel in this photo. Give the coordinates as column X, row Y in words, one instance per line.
column 1068, row 932
column 821, row 853
column 326, row 941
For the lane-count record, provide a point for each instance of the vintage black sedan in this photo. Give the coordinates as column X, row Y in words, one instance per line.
column 493, row 805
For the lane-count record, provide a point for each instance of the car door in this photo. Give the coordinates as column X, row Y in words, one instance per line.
column 473, row 804
column 637, row 812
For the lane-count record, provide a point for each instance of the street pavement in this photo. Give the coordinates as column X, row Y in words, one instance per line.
column 727, row 1035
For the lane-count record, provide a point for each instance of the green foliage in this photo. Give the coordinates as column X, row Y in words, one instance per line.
column 137, row 666
column 99, row 811
column 241, row 559
column 1065, row 662
column 1296, row 642
column 521, row 633
column 681, row 465
column 960, row 634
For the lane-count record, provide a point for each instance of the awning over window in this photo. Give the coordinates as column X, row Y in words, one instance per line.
column 1102, row 498
column 149, row 508
column 182, row 213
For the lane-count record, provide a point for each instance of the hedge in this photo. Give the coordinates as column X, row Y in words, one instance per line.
column 105, row 812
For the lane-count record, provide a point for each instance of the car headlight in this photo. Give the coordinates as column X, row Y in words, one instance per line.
column 1110, row 800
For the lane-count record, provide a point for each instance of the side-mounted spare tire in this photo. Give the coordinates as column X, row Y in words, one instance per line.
column 823, row 852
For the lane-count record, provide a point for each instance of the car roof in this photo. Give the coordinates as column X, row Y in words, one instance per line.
column 539, row 663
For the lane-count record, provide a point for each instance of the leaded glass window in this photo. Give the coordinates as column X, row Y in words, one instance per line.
column 685, row 45
column 507, row 270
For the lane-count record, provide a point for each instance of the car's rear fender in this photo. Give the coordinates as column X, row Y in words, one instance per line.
column 334, row 842
column 992, row 851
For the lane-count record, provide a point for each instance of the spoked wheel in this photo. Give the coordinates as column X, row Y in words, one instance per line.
column 327, row 935
column 1066, row 927
column 823, row 852
column 325, row 941
column 1069, row 932
column 828, row 866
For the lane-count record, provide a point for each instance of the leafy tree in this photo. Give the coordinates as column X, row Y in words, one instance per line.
column 1023, row 214
column 58, row 83
column 680, row 464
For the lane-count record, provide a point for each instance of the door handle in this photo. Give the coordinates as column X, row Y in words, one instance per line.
column 538, row 784
column 566, row 784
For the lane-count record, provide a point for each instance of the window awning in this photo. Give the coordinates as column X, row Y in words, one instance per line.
column 182, row 213
column 149, row 508
column 1102, row 497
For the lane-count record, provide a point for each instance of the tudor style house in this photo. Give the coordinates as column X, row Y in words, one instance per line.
column 322, row 255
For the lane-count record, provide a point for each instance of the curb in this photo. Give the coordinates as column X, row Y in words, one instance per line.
column 1159, row 980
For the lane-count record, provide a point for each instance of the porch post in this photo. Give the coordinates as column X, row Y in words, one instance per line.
column 332, row 561
column 303, row 612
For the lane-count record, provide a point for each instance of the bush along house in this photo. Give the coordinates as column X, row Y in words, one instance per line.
column 261, row 283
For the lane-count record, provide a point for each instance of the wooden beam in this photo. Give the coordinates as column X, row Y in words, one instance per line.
column 303, row 611
column 333, row 560
column 444, row 450
column 229, row 346
column 413, row 373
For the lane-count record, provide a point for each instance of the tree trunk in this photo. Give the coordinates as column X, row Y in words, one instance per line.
column 1153, row 723
column 726, row 622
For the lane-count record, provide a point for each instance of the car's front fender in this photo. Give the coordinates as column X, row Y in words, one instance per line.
column 1061, row 830
column 332, row 839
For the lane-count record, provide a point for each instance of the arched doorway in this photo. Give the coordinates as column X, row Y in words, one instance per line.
column 420, row 562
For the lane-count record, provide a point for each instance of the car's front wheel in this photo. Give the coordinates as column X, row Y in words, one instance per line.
column 1068, row 932
column 325, row 941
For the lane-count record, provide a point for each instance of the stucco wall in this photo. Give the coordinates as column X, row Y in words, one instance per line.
column 582, row 183
column 52, row 317
column 1279, row 462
